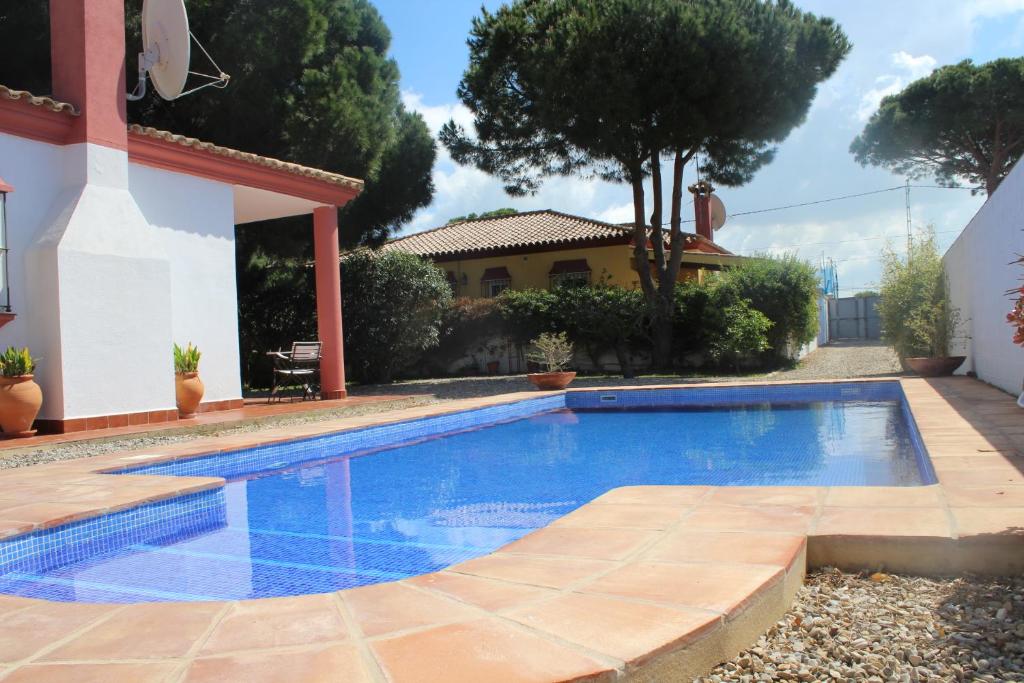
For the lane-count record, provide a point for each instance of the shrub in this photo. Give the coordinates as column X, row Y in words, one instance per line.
column 526, row 313
column 714, row 322
column 917, row 319
column 466, row 325
column 16, row 362
column 742, row 335
column 186, row 359
column 553, row 351
column 393, row 304
column 601, row 318
column 785, row 289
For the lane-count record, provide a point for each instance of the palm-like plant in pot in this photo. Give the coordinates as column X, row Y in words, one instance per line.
column 188, row 388
column 20, row 396
column 918, row 320
column 553, row 352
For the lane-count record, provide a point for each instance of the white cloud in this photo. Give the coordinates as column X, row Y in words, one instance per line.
column 437, row 115
column 910, row 67
column 915, row 67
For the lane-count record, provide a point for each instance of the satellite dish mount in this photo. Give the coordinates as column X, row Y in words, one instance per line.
column 167, row 50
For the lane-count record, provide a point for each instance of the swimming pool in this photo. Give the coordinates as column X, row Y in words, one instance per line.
column 387, row 502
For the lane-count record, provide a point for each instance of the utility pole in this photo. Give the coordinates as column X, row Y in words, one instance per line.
column 907, row 196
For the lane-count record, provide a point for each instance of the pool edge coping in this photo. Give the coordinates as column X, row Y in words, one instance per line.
column 906, row 547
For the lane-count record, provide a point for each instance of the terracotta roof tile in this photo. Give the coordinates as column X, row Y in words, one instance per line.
column 543, row 228
column 533, row 228
column 38, row 101
column 247, row 157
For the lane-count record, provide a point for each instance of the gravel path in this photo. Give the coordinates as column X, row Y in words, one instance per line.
column 841, row 360
column 886, row 628
column 846, row 359
column 10, row 459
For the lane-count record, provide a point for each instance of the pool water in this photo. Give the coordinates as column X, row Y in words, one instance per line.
column 345, row 521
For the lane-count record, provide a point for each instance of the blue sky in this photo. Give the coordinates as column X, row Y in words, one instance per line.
column 893, row 43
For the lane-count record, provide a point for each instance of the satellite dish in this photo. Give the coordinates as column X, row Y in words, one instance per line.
column 167, row 52
column 717, row 213
column 166, row 41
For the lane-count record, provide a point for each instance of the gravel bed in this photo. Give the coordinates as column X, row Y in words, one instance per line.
column 10, row 459
column 883, row 628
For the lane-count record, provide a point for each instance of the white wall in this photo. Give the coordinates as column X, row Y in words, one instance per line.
column 979, row 270
column 109, row 264
column 33, row 169
column 112, row 294
column 195, row 221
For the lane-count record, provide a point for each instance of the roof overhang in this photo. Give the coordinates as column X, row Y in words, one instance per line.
column 263, row 188
column 275, row 192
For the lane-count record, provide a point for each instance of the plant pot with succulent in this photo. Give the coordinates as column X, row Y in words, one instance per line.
column 552, row 352
column 918, row 320
column 188, row 388
column 20, row 396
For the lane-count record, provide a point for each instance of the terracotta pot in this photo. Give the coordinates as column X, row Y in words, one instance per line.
column 942, row 366
column 492, row 367
column 549, row 381
column 20, row 398
column 188, row 392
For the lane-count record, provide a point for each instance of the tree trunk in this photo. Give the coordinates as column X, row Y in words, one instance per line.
column 661, row 334
column 625, row 362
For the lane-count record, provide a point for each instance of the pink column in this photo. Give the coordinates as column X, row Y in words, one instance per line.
column 328, row 301
column 87, row 54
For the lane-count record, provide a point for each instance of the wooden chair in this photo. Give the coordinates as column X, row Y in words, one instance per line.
column 300, row 366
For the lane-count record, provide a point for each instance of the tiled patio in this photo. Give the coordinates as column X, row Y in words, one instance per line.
column 644, row 583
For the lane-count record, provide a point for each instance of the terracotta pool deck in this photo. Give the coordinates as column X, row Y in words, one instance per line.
column 644, row 583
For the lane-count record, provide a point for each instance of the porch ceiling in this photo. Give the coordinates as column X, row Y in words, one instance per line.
column 254, row 204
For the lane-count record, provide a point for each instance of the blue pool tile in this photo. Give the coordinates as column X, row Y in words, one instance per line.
column 390, row 501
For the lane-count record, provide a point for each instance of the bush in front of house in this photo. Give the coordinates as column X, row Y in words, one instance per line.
column 393, row 306
column 526, row 314
column 783, row 288
column 467, row 325
column 742, row 335
column 715, row 326
column 917, row 319
column 602, row 318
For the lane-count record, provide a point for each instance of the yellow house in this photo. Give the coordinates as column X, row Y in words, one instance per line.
column 538, row 249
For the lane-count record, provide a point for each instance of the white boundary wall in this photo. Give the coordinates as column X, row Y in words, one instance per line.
column 980, row 273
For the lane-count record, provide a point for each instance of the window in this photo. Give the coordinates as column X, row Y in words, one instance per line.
column 452, row 282
column 5, row 292
column 567, row 272
column 495, row 281
column 493, row 288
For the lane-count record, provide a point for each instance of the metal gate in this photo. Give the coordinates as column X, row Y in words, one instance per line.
column 854, row 317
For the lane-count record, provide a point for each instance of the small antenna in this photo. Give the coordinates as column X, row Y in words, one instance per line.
column 167, row 50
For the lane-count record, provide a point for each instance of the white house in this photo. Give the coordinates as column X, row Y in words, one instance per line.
column 121, row 239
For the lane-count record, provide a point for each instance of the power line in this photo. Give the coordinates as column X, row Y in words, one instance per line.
column 859, row 239
column 830, row 199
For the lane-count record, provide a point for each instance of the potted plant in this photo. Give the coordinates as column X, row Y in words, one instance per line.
column 188, row 388
column 1016, row 318
column 20, row 396
column 552, row 352
column 918, row 320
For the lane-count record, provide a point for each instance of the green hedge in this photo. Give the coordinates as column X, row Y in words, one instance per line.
column 783, row 288
column 393, row 306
